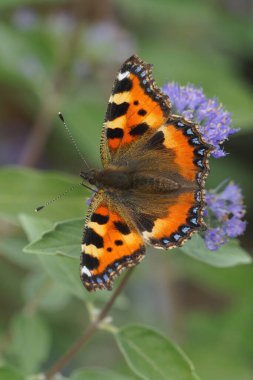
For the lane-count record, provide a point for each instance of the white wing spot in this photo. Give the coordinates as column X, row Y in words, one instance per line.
column 146, row 234
column 86, row 271
column 123, row 75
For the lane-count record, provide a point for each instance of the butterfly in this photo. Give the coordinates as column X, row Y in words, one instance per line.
column 151, row 187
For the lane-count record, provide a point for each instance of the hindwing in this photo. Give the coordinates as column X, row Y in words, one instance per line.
column 110, row 244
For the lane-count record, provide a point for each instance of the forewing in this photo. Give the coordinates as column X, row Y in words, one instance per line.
column 136, row 107
column 110, row 244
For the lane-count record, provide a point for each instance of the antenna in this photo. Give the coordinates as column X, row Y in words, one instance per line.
column 59, row 196
column 72, row 138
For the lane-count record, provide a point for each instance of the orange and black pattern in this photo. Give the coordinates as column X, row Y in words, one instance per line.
column 184, row 213
column 136, row 106
column 163, row 160
column 109, row 245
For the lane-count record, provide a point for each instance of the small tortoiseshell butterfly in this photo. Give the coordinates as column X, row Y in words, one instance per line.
column 151, row 187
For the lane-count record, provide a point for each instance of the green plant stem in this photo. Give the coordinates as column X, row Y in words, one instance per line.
column 89, row 332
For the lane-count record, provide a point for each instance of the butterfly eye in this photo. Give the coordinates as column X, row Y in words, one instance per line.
column 89, row 176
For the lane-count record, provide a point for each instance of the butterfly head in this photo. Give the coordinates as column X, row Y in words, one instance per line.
column 110, row 178
column 90, row 175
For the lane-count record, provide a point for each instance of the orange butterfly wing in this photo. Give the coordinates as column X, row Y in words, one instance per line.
column 191, row 156
column 177, row 152
column 110, row 243
column 141, row 135
column 136, row 107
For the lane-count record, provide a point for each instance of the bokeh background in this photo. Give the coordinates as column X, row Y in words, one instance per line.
column 63, row 55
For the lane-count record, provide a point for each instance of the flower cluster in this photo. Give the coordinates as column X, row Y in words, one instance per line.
column 225, row 211
column 213, row 120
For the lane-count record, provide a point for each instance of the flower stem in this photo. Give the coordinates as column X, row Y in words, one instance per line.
column 89, row 332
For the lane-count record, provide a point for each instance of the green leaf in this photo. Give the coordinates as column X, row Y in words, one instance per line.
column 66, row 272
column 7, row 373
column 22, row 190
column 152, row 356
column 43, row 292
column 30, row 342
column 64, row 239
column 12, row 248
column 98, row 374
column 230, row 254
column 33, row 226
column 60, row 266
column 56, row 250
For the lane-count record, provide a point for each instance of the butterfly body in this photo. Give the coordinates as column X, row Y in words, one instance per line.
column 109, row 179
column 124, row 179
column 151, row 187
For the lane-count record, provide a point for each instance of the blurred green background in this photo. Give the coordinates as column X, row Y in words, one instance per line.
column 63, row 55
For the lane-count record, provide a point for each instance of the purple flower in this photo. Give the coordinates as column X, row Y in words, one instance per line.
column 213, row 119
column 228, row 202
column 232, row 192
column 25, row 18
column 216, row 205
column 214, row 238
column 224, row 213
column 234, row 227
column 89, row 200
